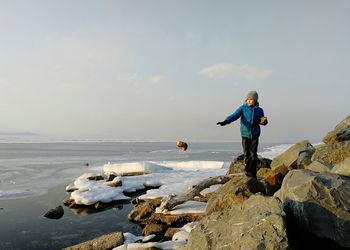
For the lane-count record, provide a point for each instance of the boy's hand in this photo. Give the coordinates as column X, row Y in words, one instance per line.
column 222, row 123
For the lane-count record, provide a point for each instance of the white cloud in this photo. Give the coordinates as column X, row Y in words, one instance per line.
column 222, row 70
column 136, row 80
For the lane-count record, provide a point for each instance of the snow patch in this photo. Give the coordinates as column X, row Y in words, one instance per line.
column 272, row 152
column 179, row 239
column 189, row 207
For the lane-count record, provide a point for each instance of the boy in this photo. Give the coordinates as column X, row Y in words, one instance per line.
column 250, row 114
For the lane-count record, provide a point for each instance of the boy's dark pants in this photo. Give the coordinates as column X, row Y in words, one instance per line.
column 250, row 149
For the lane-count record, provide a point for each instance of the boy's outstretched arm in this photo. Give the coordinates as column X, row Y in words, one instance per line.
column 234, row 116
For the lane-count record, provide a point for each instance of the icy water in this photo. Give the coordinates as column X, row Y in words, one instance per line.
column 33, row 177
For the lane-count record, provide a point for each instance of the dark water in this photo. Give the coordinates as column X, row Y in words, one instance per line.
column 22, row 225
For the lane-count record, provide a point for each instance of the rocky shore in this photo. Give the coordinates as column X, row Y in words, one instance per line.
column 300, row 200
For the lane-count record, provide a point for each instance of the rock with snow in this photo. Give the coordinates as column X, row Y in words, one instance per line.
column 88, row 190
column 115, row 182
column 257, row 223
column 332, row 153
column 178, row 240
column 187, row 212
column 107, row 241
column 318, row 203
column 341, row 132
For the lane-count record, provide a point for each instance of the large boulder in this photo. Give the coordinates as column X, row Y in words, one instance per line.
column 340, row 133
column 107, row 241
column 299, row 153
column 318, row 203
column 257, row 223
column 332, row 153
column 235, row 191
column 238, row 165
column 342, row 168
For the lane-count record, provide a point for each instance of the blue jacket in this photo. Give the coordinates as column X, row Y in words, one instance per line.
column 250, row 119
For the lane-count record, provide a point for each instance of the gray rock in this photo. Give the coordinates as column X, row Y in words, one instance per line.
column 332, row 153
column 55, row 213
column 344, row 134
column 299, row 153
column 235, row 191
column 340, row 133
column 304, row 157
column 104, row 242
column 257, row 223
column 319, row 167
column 318, row 203
column 342, row 168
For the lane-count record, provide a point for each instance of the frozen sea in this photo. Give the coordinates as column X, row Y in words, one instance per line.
column 33, row 177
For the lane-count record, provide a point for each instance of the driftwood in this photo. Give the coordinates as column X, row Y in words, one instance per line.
column 170, row 201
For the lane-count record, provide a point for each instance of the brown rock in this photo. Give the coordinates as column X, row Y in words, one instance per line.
column 153, row 229
column 71, row 203
column 276, row 175
column 141, row 212
column 170, row 232
column 182, row 145
column 263, row 173
column 176, row 220
column 104, row 242
column 238, row 189
column 332, row 153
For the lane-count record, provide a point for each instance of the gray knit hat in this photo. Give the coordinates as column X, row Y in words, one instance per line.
column 252, row 95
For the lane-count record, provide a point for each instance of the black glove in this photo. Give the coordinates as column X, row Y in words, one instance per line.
column 223, row 123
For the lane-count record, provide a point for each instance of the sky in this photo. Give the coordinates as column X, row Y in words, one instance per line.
column 169, row 70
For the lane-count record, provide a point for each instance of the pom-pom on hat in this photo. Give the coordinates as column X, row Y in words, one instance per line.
column 252, row 95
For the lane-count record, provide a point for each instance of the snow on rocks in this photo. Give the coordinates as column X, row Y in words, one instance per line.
column 88, row 191
column 178, row 240
column 170, row 177
column 189, row 207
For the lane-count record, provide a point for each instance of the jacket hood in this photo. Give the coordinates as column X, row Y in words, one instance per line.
column 256, row 104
